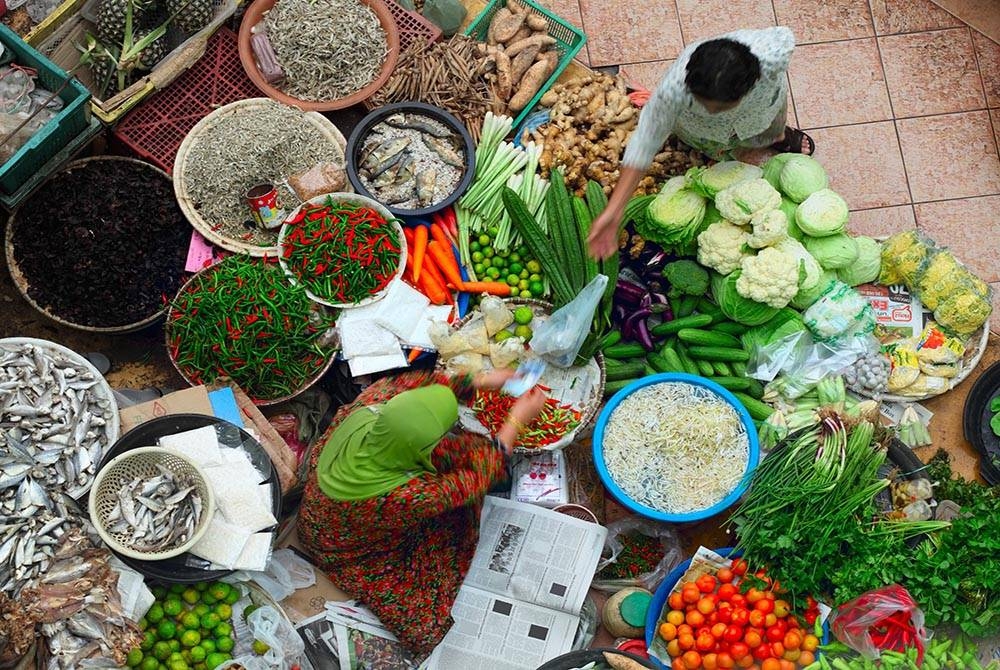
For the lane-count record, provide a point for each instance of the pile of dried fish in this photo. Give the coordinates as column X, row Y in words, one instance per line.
column 328, row 49
column 410, row 161
column 442, row 74
column 265, row 143
column 17, row 631
column 27, row 544
column 54, row 425
column 78, row 605
column 155, row 513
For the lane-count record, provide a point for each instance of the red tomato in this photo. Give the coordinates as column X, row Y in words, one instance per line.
column 792, row 640
column 752, row 639
column 770, row 620
column 710, row 662
column 706, row 583
column 694, row 618
column 747, row 662
column 756, row 619
column 741, row 617
column 704, row 630
column 733, row 634
column 712, row 618
column 726, row 591
column 739, row 567
column 692, row 660
column 775, row 634
column 705, row 606
column 811, row 602
column 685, row 641
column 690, row 594
column 675, row 601
column 793, row 622
column 683, row 628
column 725, row 660
column 719, row 630
column 738, row 600
column 725, row 613
column 770, row 664
column 678, row 664
column 762, row 653
column 766, row 606
column 754, row 595
column 777, row 649
column 704, row 642
column 810, row 617
column 739, row 650
column 724, row 575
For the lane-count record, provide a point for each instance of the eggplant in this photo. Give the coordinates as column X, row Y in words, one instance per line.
column 656, row 262
column 629, row 292
column 646, row 301
column 658, row 298
column 629, row 331
column 619, row 314
column 643, row 335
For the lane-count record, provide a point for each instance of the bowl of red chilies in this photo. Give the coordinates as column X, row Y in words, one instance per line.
column 343, row 248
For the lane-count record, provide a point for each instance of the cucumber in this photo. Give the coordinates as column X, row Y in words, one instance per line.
column 732, row 383
column 617, row 370
column 755, row 389
column 686, row 362
column 662, row 364
column 757, row 409
column 739, row 368
column 670, row 327
column 704, row 368
column 708, row 338
column 611, row 388
column 669, row 343
column 722, row 369
column 729, row 327
column 614, row 337
column 718, row 354
column 686, row 305
column 672, row 359
column 706, row 306
column 628, row 350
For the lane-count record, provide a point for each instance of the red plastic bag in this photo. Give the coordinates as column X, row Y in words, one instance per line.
column 887, row 618
column 287, row 426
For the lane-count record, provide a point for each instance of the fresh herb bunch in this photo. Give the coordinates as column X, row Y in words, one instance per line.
column 640, row 554
column 949, row 486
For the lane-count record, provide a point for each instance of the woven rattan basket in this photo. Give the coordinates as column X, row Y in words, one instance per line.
column 204, row 127
column 143, row 462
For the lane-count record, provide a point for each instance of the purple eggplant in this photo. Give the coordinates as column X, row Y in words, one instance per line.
column 656, row 262
column 643, row 335
column 646, row 301
column 658, row 298
column 632, row 322
column 629, row 292
column 619, row 314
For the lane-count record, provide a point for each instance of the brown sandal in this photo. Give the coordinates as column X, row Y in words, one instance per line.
column 792, row 143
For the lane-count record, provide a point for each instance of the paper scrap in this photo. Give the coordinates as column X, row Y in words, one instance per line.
column 366, row 338
column 222, row 542
column 255, row 553
column 201, row 445
column 200, row 253
column 366, row 365
column 224, row 406
column 420, row 337
column 401, row 309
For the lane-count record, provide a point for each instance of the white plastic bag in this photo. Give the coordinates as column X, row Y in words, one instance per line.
column 270, row 627
column 286, row 573
column 669, row 541
column 559, row 338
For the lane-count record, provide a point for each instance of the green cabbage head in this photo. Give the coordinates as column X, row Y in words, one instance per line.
column 821, row 214
column 807, row 296
column 708, row 181
column 674, row 216
column 736, row 307
column 866, row 266
column 833, row 251
column 773, row 167
column 802, row 176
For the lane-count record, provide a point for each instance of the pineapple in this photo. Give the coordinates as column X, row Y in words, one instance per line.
column 152, row 54
column 103, row 69
column 111, row 18
column 190, row 15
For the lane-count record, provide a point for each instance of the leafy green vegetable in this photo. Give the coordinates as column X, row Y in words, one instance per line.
column 866, row 266
column 736, row 307
column 995, row 424
column 686, row 278
column 833, row 251
column 674, row 217
column 773, row 167
column 801, row 176
column 822, row 213
column 708, row 181
column 995, row 404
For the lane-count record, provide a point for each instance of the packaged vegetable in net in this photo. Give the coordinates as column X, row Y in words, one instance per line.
column 840, row 314
column 637, row 552
column 904, row 257
column 963, row 313
column 885, row 619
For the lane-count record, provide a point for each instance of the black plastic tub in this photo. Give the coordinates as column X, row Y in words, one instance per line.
column 976, row 423
column 581, row 657
column 361, row 131
column 184, row 569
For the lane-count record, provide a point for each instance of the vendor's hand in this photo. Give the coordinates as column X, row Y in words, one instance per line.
column 528, row 406
column 494, row 379
column 603, row 240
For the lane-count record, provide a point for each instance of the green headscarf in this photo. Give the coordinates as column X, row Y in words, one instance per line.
column 376, row 449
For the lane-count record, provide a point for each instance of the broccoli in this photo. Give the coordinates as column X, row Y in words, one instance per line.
column 686, row 278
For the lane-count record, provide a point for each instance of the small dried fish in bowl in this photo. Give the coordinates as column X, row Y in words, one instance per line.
column 411, row 161
column 156, row 512
column 28, row 543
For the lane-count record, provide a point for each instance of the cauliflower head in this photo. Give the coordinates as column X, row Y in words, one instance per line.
column 741, row 201
column 770, row 277
column 769, row 228
column 722, row 246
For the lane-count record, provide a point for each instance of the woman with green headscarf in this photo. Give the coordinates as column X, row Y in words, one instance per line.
column 391, row 506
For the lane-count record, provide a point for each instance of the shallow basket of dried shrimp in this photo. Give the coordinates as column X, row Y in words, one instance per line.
column 151, row 504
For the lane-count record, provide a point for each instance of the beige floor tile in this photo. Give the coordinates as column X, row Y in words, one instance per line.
column 995, row 117
column 881, row 222
column 825, row 20
column 988, row 52
column 647, row 75
column 701, row 19
column 618, row 33
column 864, row 164
column 994, row 320
column 950, row 156
column 835, row 83
column 932, row 72
column 910, row 16
column 569, row 11
column 969, row 227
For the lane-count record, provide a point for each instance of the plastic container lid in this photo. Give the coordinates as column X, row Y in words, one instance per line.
column 634, row 608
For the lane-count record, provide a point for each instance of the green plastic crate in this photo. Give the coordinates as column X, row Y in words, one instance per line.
column 569, row 40
column 59, row 131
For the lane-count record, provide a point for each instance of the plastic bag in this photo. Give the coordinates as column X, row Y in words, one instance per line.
column 670, row 543
column 274, row 630
column 447, row 15
column 286, row 573
column 320, row 179
column 840, row 314
column 802, row 363
column 904, row 258
column 886, row 618
column 559, row 338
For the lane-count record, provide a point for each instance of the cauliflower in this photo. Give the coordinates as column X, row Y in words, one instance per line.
column 769, row 228
column 810, row 273
column 741, row 201
column 722, row 247
column 770, row 277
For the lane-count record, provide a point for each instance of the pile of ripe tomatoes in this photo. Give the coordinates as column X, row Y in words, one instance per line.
column 715, row 622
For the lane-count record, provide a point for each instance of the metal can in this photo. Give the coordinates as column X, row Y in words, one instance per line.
column 263, row 202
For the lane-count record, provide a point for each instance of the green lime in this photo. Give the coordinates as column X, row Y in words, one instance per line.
column 524, row 332
column 175, row 645
column 260, row 648
column 474, row 245
column 190, row 638
column 200, row 666
column 516, row 268
column 158, row 592
column 484, row 240
column 148, row 640
column 498, row 262
column 190, row 621
column 224, row 644
column 208, row 599
column 210, row 620
column 186, row 655
column 515, row 257
column 535, row 277
column 134, row 657
column 537, row 289
column 173, row 606
column 155, row 613
column 214, row 660
column 176, row 656
column 220, row 590
column 523, row 315
column 477, row 257
column 523, row 285
column 190, row 596
column 224, row 611
column 525, row 293
column 198, row 654
column 143, row 623
column 478, row 268
column 208, row 644
column 201, row 586
column 179, row 664
column 523, row 274
column 249, row 609
column 149, row 663
column 234, row 596
column 177, row 588
column 493, row 230
column 523, row 250
column 161, row 650
column 222, row 630
column 201, row 609
column 488, row 252
column 534, row 266
column 493, row 273
column 503, row 335
column 512, row 280
column 166, row 630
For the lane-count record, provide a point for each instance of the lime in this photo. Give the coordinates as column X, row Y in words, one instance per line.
column 260, row 648
column 493, row 230
column 493, row 273
column 208, row 644
column 478, row 268
column 175, row 645
column 197, row 654
column 190, row 596
column 166, row 630
column 474, row 245
column 524, row 332
column 201, row 586
column 498, row 262
column 503, row 335
column 208, row 599
column 249, row 609
column 161, row 650
column 534, row 267
column 158, row 592
column 134, row 657
column 516, row 268
column 201, row 609
column 143, row 623
column 173, row 606
column 186, row 655
column 179, row 664
column 234, row 595
column 477, row 257
column 515, row 257
column 176, row 656
column 535, row 277
column 190, row 621
column 488, row 252
column 190, row 638
column 148, row 640
column 523, row 285
column 219, row 590
column 210, row 620
column 215, row 660
column 523, row 250
column 484, row 240
column 525, row 293
column 512, row 280
column 224, row 644
column 523, row 274
column 222, row 630
column 537, row 289
column 523, row 315
column 177, row 588
column 224, row 611
column 155, row 613
column 149, row 663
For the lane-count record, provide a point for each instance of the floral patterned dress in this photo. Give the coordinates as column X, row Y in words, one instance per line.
column 405, row 553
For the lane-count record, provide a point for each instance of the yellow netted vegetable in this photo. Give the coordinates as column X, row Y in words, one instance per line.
column 963, row 313
column 942, row 277
column 904, row 256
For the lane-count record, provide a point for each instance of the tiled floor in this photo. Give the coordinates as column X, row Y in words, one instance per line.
column 902, row 98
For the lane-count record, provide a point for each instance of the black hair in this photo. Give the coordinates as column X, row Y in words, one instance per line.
column 723, row 70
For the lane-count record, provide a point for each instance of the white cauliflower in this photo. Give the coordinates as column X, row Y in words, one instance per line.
column 722, row 246
column 770, row 277
column 769, row 228
column 741, row 201
column 810, row 272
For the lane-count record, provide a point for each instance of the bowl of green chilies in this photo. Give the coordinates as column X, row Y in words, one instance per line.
column 242, row 319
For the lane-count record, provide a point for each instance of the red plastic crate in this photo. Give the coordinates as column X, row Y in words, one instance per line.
column 412, row 26
column 155, row 129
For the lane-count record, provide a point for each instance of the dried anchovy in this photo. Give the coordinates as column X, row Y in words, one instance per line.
column 442, row 74
column 264, row 144
column 328, row 49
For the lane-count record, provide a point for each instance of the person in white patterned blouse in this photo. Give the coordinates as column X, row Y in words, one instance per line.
column 720, row 95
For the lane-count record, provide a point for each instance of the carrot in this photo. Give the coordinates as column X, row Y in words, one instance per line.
column 437, row 293
column 414, row 354
column 445, row 260
column 491, row 287
column 419, row 250
column 431, row 267
column 440, row 236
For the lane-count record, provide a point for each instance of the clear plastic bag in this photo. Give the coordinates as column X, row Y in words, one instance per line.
column 270, row 627
column 887, row 618
column 802, row 363
column 559, row 338
column 840, row 314
column 669, row 541
column 286, row 573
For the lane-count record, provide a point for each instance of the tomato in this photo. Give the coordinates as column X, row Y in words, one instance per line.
column 763, row 652
column 766, row 606
column 674, row 648
column 710, row 661
column 756, row 619
column 725, row 660
column 739, row 650
column 777, row 649
column 692, row 660
column 809, row 643
column 770, row 620
column 792, row 640
column 770, row 664
column 706, row 583
column 733, row 634
column 668, row 631
column 726, row 591
column 675, row 617
column 690, row 594
column 719, row 630
column 724, row 613
column 739, row 567
column 754, row 595
column 811, row 603
column 705, row 606
column 678, row 664
column 684, row 628
column 752, row 639
column 675, row 601
column 725, row 575
column 704, row 642
column 738, row 600
column 810, row 617
column 787, row 665
column 791, row 654
column 712, row 619
column 746, row 662
column 694, row 618
column 774, row 634
column 793, row 621
column 685, row 641
column 806, row 658
column 704, row 630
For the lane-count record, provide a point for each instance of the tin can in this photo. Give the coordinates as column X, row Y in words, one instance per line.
column 632, row 646
column 263, row 202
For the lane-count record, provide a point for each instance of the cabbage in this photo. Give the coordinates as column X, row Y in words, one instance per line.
column 741, row 201
column 736, row 307
column 833, row 251
column 821, row 214
column 802, row 176
column 674, row 217
column 786, row 322
column 789, row 207
column 866, row 266
column 773, row 167
column 807, row 296
column 709, row 181
column 711, row 215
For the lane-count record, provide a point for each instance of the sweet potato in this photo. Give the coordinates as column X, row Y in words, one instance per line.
column 521, row 62
column 537, row 23
column 503, row 15
column 521, row 34
column 619, row 662
column 508, row 27
column 541, row 41
column 533, row 79
column 505, row 80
